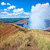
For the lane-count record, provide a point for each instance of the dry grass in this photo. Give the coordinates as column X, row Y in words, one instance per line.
column 23, row 36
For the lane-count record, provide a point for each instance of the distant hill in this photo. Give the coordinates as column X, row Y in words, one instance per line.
column 22, row 23
column 47, row 23
column 47, row 29
column 14, row 37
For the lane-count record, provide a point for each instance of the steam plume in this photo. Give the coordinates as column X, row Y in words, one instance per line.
column 39, row 13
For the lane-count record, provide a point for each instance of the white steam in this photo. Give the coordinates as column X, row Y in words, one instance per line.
column 39, row 13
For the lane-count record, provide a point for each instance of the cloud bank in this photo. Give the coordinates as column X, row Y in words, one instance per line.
column 16, row 13
column 12, row 12
column 39, row 13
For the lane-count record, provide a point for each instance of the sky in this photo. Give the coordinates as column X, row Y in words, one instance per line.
column 19, row 8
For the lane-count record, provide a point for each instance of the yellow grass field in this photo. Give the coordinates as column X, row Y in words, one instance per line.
column 23, row 39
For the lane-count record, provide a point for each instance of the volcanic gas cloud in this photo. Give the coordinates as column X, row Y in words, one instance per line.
column 39, row 14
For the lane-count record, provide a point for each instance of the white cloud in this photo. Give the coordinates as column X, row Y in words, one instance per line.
column 9, row 14
column 42, row 10
column 39, row 13
column 26, row 13
column 45, row 4
column 18, row 11
column 3, row 12
column 11, row 7
column 5, row 9
column 14, row 14
column 3, row 3
column 8, row 4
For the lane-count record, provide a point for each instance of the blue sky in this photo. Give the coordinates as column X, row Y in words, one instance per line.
column 18, row 8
